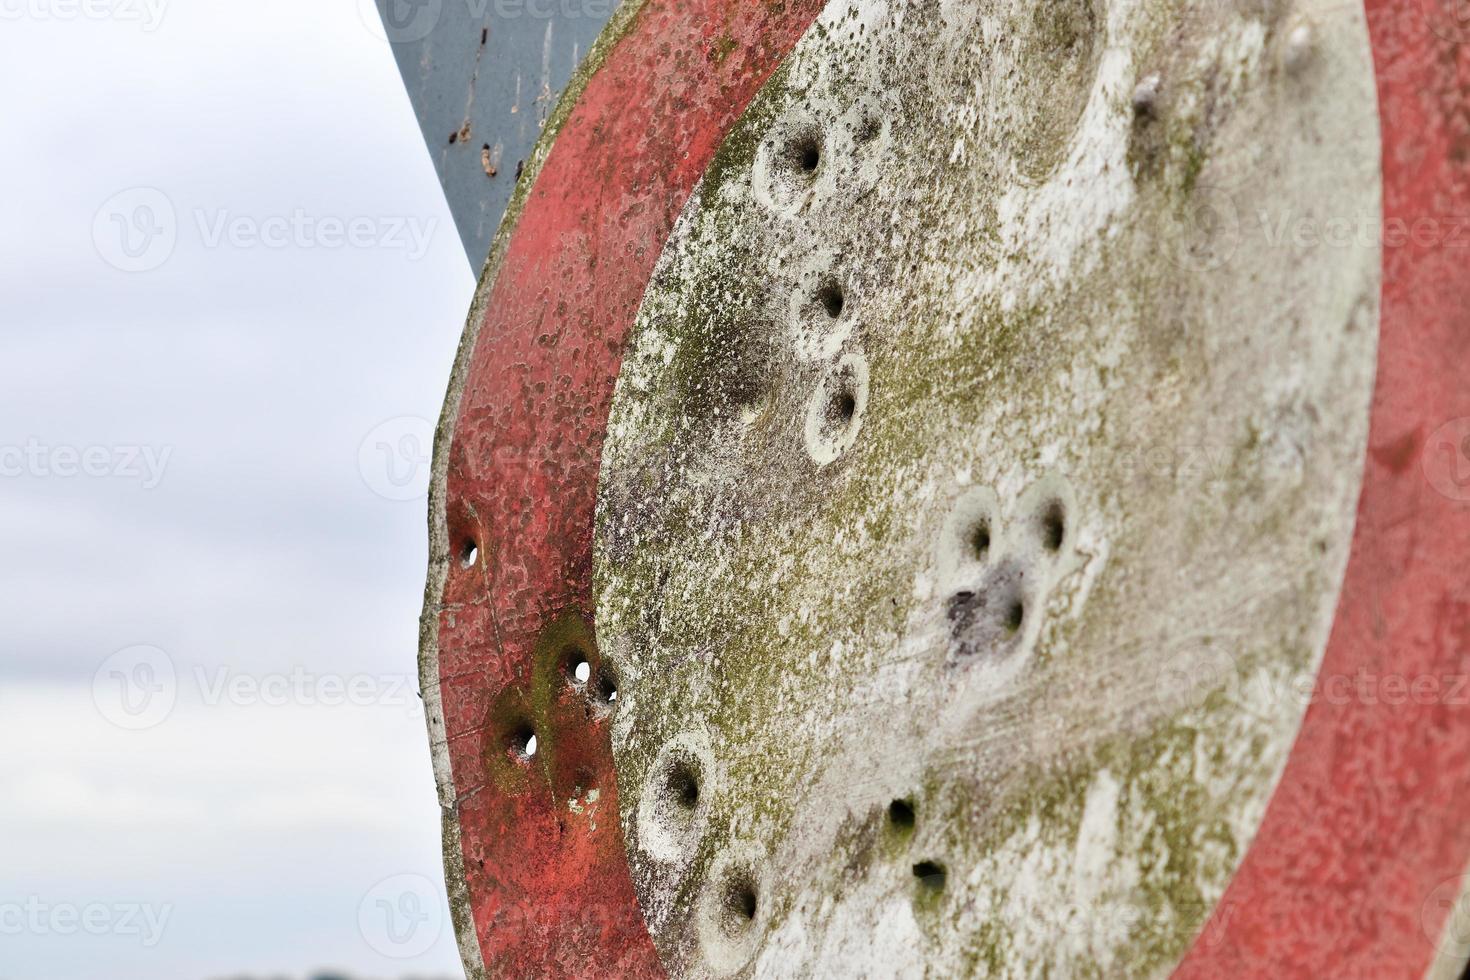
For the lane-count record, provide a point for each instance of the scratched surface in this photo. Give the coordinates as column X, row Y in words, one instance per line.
column 483, row 75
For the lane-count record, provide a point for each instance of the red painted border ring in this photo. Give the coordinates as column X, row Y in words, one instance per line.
column 542, row 888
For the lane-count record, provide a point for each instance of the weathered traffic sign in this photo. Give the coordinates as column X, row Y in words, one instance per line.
column 967, row 488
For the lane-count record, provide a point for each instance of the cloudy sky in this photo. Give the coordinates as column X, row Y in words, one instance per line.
column 230, row 294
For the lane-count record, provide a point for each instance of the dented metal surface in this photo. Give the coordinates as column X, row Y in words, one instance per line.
column 967, row 457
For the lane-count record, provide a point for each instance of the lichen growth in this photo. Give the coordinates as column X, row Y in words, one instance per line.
column 1030, row 308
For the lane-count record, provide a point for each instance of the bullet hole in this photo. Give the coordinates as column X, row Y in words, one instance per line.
column 740, row 901
column 901, row 816
column 986, row 621
column 931, row 876
column 576, row 667
column 607, row 688
column 1053, row 526
column 522, row 742
column 681, row 788
column 843, row 407
column 1015, row 615
column 830, row 294
column 469, row 554
column 980, row 540
column 1146, row 98
column 806, row 152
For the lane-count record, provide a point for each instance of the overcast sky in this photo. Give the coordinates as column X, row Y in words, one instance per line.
column 230, row 294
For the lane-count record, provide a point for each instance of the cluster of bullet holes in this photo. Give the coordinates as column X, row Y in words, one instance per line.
column 929, row 875
column 576, row 672
column 997, row 581
column 790, row 165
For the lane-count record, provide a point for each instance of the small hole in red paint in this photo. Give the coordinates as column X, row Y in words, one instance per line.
column 523, row 743
column 469, row 554
column 576, row 667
